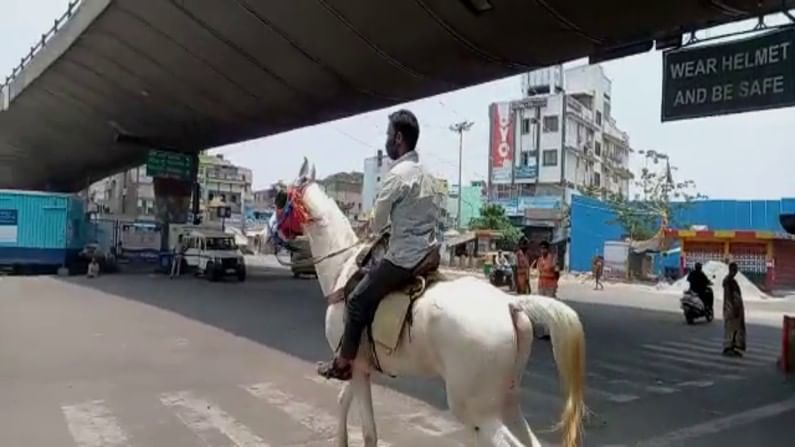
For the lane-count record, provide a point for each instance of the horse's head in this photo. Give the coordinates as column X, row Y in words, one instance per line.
column 292, row 211
column 306, row 209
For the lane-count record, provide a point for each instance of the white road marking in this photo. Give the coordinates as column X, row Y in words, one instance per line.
column 620, row 398
column 685, row 435
column 654, row 389
column 772, row 350
column 304, row 413
column 696, row 384
column 419, row 415
column 649, row 369
column 750, row 357
column 665, row 353
column 92, row 425
column 205, row 419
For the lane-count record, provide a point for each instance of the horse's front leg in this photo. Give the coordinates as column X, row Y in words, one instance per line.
column 363, row 392
column 344, row 399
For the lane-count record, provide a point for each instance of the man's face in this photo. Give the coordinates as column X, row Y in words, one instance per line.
column 732, row 270
column 393, row 141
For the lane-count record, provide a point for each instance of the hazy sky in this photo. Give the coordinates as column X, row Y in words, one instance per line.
column 736, row 156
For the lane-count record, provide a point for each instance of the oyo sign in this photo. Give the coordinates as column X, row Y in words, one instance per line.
column 503, row 148
column 502, row 134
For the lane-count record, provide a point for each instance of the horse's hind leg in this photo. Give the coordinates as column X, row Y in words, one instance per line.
column 344, row 399
column 363, row 392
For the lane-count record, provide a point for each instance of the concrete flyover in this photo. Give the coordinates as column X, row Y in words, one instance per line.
column 193, row 74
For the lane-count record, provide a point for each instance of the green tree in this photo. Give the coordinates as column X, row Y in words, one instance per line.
column 492, row 217
column 657, row 200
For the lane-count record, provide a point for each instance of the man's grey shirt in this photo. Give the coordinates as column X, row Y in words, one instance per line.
column 408, row 201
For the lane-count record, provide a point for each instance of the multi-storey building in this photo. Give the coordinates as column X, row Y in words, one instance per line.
column 346, row 189
column 131, row 193
column 556, row 141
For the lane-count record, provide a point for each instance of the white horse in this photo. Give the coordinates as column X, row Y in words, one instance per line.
column 471, row 334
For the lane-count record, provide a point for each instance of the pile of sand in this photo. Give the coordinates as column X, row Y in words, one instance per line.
column 716, row 271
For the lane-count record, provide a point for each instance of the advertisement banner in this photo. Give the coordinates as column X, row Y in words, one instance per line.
column 8, row 226
column 501, row 150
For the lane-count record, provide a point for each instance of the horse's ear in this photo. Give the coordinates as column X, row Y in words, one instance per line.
column 304, row 169
column 313, row 173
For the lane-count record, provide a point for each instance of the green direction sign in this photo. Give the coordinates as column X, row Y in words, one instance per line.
column 165, row 164
column 739, row 76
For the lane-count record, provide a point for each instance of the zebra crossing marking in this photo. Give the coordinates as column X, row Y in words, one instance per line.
column 429, row 420
column 93, row 425
column 675, row 355
column 206, row 419
column 751, row 357
column 620, row 398
column 773, row 350
column 304, row 413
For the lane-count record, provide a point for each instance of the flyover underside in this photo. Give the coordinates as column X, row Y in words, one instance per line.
column 197, row 74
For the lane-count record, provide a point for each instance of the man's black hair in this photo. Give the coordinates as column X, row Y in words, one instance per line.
column 406, row 123
column 544, row 244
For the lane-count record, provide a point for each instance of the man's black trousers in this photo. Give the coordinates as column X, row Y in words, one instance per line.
column 384, row 278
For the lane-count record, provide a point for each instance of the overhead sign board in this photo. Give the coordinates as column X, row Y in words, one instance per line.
column 740, row 76
column 166, row 164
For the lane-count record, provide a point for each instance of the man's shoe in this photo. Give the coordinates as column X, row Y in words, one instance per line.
column 331, row 370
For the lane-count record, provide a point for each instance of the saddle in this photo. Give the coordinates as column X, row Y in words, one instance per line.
column 394, row 313
column 425, row 273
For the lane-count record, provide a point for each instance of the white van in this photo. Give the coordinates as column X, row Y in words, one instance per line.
column 214, row 254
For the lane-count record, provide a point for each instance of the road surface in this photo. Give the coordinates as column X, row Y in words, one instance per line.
column 144, row 361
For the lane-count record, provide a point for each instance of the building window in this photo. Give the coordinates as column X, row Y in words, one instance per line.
column 597, row 148
column 598, row 118
column 607, row 110
column 526, row 190
column 550, row 157
column 597, row 179
column 504, row 191
column 550, row 124
column 525, row 126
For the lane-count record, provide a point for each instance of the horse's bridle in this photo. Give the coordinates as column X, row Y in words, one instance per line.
column 293, row 195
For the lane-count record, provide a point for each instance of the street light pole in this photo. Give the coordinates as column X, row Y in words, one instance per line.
column 460, row 128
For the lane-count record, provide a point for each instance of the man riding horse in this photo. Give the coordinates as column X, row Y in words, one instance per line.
column 408, row 205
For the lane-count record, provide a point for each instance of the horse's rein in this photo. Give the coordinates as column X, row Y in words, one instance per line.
column 315, row 261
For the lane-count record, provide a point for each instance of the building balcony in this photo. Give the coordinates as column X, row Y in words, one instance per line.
column 616, row 135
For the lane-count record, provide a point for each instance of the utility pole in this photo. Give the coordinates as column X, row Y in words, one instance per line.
column 460, row 128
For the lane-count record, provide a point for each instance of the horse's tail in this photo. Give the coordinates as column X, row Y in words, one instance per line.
column 568, row 347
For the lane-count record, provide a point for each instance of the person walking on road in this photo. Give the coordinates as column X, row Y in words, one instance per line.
column 178, row 256
column 548, row 272
column 733, row 315
column 548, row 275
column 522, row 275
column 598, row 270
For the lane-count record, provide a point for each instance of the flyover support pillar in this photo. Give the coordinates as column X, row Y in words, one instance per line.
column 173, row 201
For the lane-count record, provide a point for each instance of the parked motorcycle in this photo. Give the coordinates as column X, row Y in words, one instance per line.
column 694, row 308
